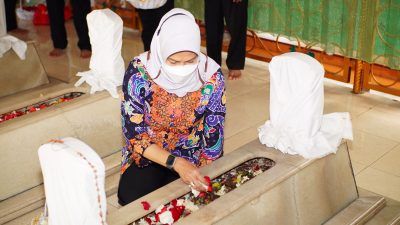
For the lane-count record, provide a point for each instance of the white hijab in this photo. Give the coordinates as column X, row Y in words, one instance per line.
column 176, row 32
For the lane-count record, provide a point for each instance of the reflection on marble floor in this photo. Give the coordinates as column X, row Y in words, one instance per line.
column 375, row 151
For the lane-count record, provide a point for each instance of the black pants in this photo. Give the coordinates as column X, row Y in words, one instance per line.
column 80, row 8
column 150, row 19
column 137, row 182
column 11, row 17
column 235, row 15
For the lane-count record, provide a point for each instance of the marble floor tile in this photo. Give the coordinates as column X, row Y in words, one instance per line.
column 243, row 86
column 358, row 167
column 390, row 162
column 246, row 110
column 366, row 148
column 379, row 182
column 345, row 101
column 234, row 142
column 381, row 122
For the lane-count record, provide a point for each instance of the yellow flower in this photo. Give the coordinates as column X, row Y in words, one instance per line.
column 223, row 99
column 137, row 118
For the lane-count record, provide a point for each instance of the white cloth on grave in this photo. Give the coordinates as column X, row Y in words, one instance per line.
column 8, row 42
column 106, row 64
column 73, row 187
column 297, row 124
column 147, row 4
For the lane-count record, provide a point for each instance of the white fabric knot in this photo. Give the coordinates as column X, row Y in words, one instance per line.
column 98, row 83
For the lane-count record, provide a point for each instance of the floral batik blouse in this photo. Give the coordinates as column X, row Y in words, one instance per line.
column 191, row 127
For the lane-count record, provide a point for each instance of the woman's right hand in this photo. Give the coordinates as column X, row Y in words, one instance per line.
column 190, row 174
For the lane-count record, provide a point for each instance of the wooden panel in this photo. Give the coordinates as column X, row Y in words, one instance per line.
column 381, row 78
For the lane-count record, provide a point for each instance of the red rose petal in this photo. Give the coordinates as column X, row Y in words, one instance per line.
column 174, row 202
column 163, row 209
column 176, row 213
column 146, row 205
column 32, row 109
column 148, row 220
column 208, row 180
column 202, row 194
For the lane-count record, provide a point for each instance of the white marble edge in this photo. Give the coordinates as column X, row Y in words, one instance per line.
column 54, row 110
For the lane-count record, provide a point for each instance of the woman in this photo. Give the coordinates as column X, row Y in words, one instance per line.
column 173, row 111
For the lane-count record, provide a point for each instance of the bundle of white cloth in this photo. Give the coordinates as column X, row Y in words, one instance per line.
column 74, row 183
column 106, row 64
column 8, row 42
column 297, row 124
column 147, row 4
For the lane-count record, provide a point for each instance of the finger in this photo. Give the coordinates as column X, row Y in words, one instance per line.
column 196, row 181
column 199, row 186
column 201, row 179
column 202, row 183
column 186, row 178
column 192, row 181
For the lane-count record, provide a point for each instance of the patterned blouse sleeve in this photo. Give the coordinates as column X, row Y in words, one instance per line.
column 133, row 109
column 214, row 118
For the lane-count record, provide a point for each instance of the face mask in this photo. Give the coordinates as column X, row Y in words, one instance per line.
column 179, row 74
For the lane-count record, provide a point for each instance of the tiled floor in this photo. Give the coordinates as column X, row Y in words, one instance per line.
column 375, row 150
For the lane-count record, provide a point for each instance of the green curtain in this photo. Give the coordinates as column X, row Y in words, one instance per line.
column 363, row 29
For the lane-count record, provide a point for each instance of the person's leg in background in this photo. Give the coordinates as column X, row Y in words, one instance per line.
column 150, row 19
column 11, row 17
column 80, row 9
column 213, row 16
column 235, row 12
column 149, row 25
column 55, row 9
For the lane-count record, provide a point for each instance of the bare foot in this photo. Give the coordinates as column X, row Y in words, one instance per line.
column 234, row 74
column 86, row 53
column 56, row 52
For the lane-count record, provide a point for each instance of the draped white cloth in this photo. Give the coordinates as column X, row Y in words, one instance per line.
column 147, row 4
column 106, row 64
column 8, row 42
column 297, row 124
column 71, row 183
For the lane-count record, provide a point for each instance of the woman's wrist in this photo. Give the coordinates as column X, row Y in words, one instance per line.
column 177, row 164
